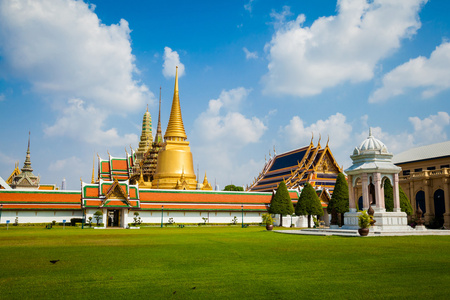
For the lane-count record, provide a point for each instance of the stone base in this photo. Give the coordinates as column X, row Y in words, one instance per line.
column 420, row 228
column 391, row 221
column 351, row 220
column 334, row 226
column 385, row 221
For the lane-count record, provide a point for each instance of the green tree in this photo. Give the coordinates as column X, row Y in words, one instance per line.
column 339, row 198
column 308, row 204
column 98, row 215
column 388, row 195
column 281, row 202
column 232, row 187
column 405, row 205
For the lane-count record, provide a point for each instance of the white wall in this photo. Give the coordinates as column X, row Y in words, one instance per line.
column 179, row 217
column 39, row 216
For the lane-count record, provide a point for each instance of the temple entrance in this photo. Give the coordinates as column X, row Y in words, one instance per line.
column 114, row 216
column 360, row 203
column 420, row 201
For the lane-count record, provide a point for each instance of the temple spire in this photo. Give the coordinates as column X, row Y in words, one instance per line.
column 146, row 135
column 175, row 128
column 27, row 164
column 158, row 136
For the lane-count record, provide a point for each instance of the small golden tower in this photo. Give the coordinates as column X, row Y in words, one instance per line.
column 175, row 167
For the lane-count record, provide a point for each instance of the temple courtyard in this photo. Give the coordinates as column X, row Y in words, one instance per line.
column 226, row 262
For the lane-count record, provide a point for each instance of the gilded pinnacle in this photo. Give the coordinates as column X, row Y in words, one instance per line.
column 175, row 128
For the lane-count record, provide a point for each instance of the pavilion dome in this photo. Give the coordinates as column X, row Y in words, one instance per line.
column 371, row 145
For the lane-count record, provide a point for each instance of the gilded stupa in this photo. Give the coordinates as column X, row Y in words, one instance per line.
column 175, row 167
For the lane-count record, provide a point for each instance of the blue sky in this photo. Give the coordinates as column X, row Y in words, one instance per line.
column 254, row 75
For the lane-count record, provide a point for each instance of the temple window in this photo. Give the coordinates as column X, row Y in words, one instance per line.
column 418, row 170
column 406, row 172
column 431, row 168
column 445, row 166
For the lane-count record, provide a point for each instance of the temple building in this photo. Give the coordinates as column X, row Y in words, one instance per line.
column 312, row 164
column 425, row 178
column 157, row 181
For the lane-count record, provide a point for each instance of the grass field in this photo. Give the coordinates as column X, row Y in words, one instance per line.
column 221, row 262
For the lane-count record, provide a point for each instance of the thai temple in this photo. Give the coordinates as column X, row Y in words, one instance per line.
column 311, row 164
column 156, row 180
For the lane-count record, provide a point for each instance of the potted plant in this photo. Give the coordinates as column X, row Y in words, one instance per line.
column 364, row 223
column 268, row 220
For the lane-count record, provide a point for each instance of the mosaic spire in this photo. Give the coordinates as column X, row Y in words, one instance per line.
column 146, row 135
column 175, row 128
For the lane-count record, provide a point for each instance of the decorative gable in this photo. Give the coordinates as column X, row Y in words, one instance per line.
column 115, row 196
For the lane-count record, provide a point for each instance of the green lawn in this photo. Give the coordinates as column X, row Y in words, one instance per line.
column 220, row 262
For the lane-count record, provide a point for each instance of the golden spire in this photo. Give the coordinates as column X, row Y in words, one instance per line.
column 93, row 172
column 175, row 128
column 158, row 136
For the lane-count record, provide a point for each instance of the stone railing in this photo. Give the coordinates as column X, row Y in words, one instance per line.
column 426, row 174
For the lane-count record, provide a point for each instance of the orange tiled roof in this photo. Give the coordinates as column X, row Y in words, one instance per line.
column 40, row 200
column 190, row 197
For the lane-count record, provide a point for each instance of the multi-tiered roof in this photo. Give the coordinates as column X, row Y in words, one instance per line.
column 311, row 164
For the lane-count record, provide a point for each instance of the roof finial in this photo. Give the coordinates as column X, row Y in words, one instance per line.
column 147, row 107
column 312, row 137
column 93, row 170
column 370, row 131
column 158, row 136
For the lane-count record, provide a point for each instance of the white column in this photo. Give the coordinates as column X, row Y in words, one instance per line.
column 396, row 191
column 379, row 198
column 105, row 217
column 351, row 194
column 125, row 218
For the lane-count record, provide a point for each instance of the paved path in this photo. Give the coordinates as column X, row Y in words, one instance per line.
column 354, row 233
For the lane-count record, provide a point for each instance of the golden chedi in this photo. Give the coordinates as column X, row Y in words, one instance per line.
column 175, row 167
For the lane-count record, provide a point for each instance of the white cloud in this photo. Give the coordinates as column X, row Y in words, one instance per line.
column 248, row 7
column 63, row 164
column 303, row 61
column 431, row 129
column 84, row 123
column 222, row 121
column 221, row 132
column 171, row 61
column 336, row 127
column 7, row 160
column 61, row 48
column 430, row 74
column 250, row 55
column 280, row 18
column 64, row 51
